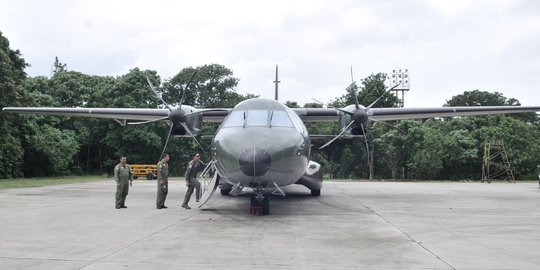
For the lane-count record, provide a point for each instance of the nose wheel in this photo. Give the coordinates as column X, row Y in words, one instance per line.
column 260, row 204
column 260, row 208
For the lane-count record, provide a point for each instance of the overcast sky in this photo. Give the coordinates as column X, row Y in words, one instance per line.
column 448, row 46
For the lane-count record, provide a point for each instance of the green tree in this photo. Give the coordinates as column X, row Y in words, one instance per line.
column 399, row 146
column 11, row 94
column 480, row 98
column 292, row 104
column 50, row 151
column 141, row 143
column 313, row 105
column 485, row 98
column 427, row 155
column 372, row 87
column 353, row 160
column 212, row 87
column 522, row 141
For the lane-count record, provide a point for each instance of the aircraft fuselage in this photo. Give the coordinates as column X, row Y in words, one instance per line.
column 261, row 142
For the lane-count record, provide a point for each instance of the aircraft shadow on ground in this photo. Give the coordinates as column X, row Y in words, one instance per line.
column 240, row 204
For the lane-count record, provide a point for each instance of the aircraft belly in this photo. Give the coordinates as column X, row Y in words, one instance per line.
column 280, row 179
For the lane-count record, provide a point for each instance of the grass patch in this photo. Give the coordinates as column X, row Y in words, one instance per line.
column 47, row 181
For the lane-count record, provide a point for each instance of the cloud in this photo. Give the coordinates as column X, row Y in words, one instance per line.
column 449, row 47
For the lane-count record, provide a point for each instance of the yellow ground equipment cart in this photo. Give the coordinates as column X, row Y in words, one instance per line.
column 144, row 170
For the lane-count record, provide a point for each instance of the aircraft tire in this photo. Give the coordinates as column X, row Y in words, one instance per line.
column 225, row 192
column 266, row 206
column 316, row 192
column 149, row 176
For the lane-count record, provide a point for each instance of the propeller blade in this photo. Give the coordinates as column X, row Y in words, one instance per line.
column 191, row 134
column 371, row 105
column 341, row 110
column 187, row 86
column 356, row 104
column 365, row 144
column 155, row 92
column 149, row 121
column 384, row 123
column 335, row 138
column 166, row 142
column 320, row 102
column 344, row 111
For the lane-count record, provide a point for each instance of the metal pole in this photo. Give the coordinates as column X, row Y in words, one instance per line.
column 276, row 82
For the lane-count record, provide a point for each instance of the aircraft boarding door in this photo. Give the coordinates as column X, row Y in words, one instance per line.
column 209, row 183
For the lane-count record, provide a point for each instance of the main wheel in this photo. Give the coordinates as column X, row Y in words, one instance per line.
column 316, row 192
column 225, row 192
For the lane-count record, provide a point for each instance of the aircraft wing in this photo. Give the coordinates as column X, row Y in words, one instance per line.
column 124, row 114
column 318, row 114
column 306, row 114
column 385, row 114
column 111, row 113
column 215, row 115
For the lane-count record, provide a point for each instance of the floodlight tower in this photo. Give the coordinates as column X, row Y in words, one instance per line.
column 402, row 79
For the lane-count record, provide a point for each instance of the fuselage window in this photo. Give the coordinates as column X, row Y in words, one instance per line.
column 280, row 119
column 235, row 119
column 257, row 118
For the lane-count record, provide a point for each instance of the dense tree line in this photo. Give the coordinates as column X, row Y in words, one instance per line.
column 36, row 145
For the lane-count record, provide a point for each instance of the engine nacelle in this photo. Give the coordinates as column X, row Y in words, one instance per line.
column 313, row 176
column 194, row 122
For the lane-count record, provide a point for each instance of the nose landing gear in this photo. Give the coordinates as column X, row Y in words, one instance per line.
column 260, row 204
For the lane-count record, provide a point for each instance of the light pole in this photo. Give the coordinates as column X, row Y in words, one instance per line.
column 401, row 78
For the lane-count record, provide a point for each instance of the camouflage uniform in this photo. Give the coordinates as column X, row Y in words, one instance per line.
column 162, row 189
column 122, row 174
column 191, row 180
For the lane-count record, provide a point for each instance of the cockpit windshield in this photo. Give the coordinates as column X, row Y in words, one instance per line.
column 280, row 119
column 257, row 118
column 235, row 119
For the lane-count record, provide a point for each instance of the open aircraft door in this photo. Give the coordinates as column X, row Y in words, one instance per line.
column 209, row 183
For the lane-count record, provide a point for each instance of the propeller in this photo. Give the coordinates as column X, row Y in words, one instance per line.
column 176, row 115
column 360, row 114
column 360, row 117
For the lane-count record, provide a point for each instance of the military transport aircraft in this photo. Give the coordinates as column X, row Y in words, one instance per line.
column 262, row 144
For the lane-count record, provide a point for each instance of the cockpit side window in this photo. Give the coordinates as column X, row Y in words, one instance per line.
column 257, row 118
column 235, row 119
column 280, row 119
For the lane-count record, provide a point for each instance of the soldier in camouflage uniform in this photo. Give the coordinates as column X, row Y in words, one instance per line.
column 194, row 166
column 122, row 174
column 162, row 182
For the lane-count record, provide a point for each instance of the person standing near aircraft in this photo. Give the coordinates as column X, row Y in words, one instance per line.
column 163, row 181
column 122, row 174
column 193, row 167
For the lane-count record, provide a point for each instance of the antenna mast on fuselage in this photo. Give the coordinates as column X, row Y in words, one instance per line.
column 276, row 82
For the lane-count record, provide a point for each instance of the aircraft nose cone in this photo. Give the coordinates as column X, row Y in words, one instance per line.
column 255, row 161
